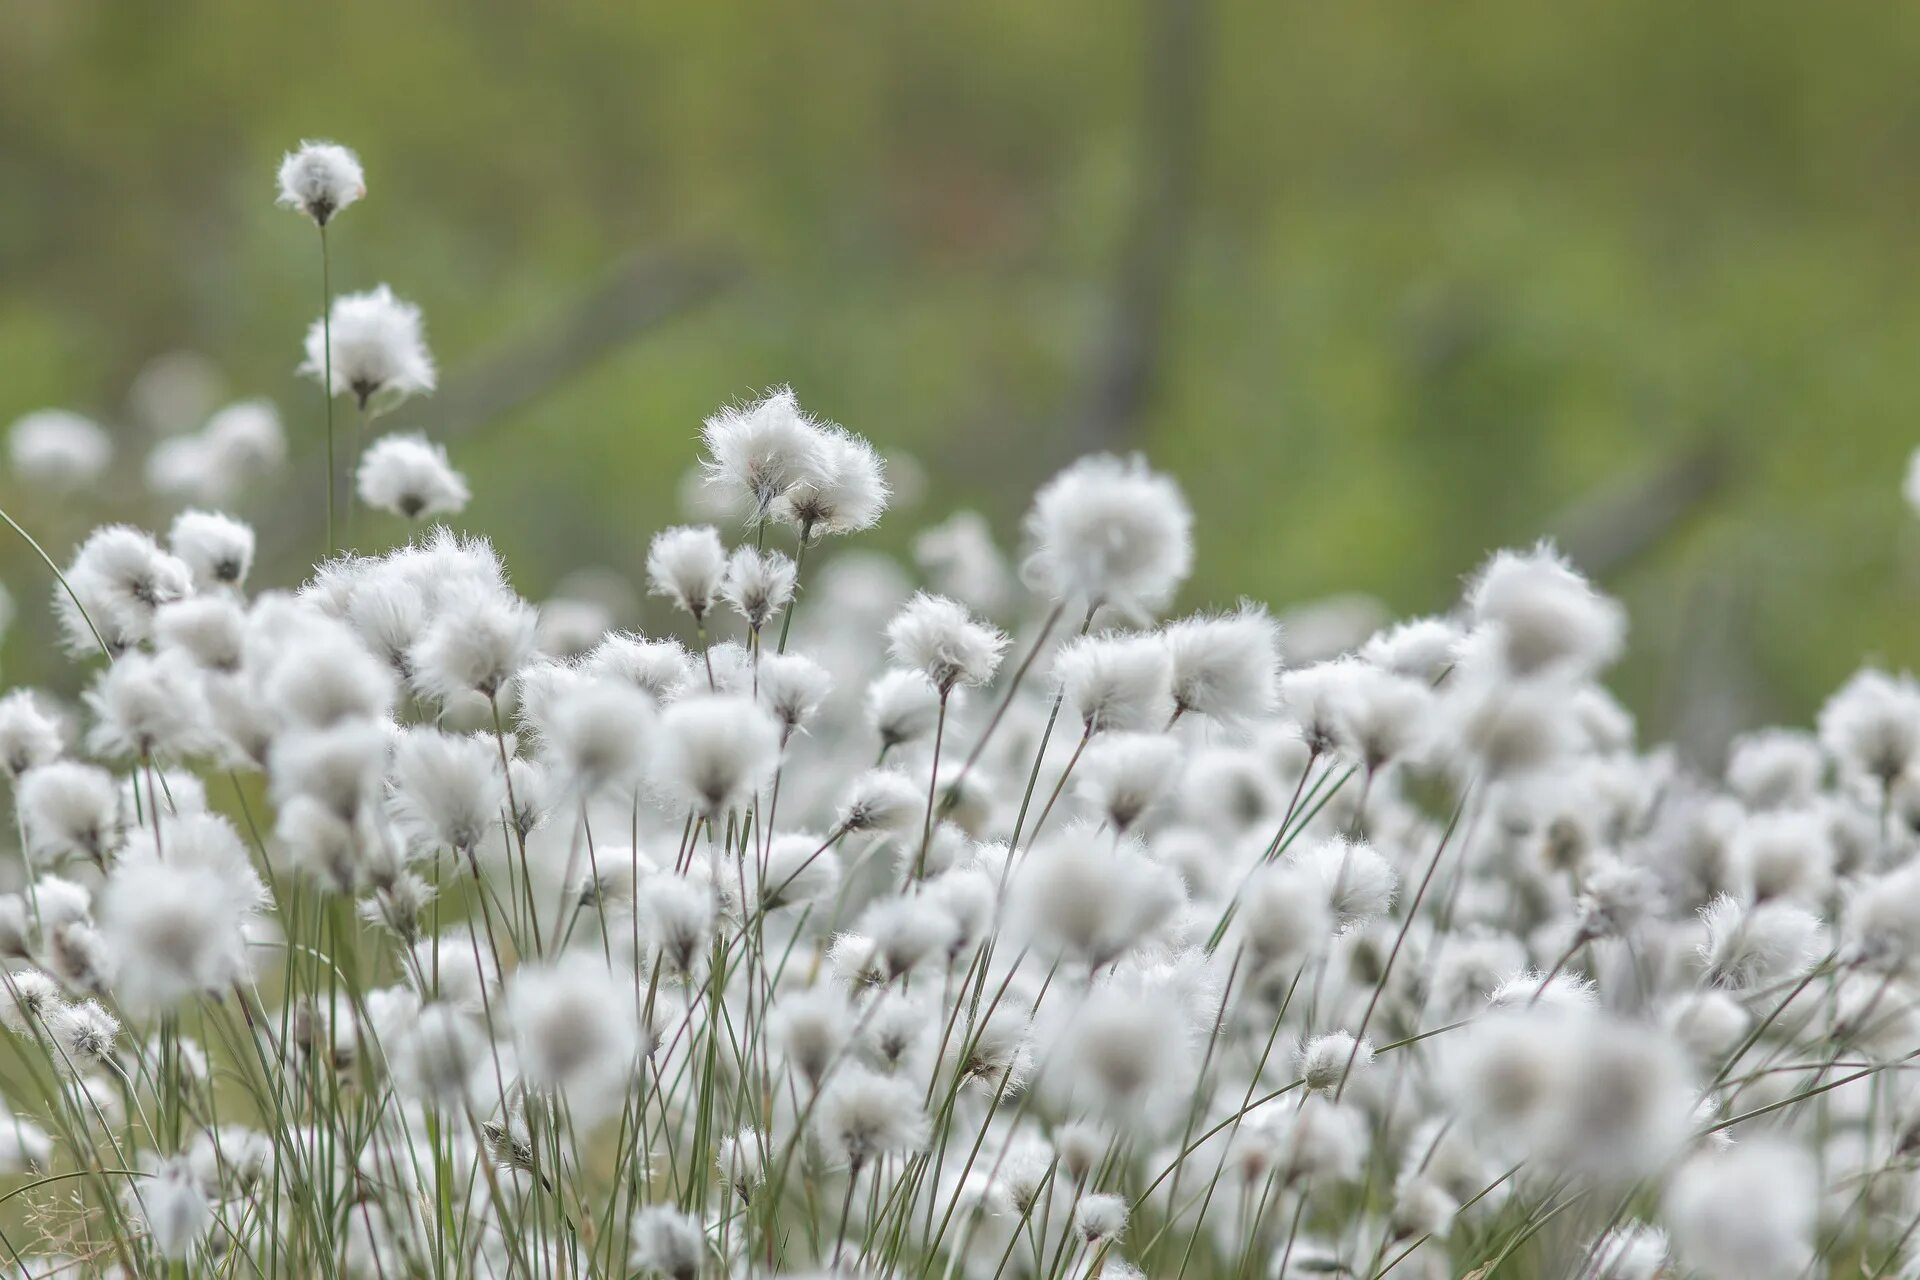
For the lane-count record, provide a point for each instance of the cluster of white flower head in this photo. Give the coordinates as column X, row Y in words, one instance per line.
column 866, row 921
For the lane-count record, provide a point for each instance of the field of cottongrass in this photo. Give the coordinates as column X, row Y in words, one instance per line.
column 384, row 925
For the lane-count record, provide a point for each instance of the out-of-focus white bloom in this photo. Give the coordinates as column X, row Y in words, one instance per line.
column 840, row 488
column 446, row 790
column 1383, row 715
column 1786, row 854
column 1284, row 916
column 1116, row 682
column 380, row 354
column 217, row 549
column 1100, row 1218
column 686, row 565
column 1548, row 616
column 1775, row 768
column 1323, row 1060
column 29, row 737
column 1079, row 892
column 903, row 706
column 1509, row 728
column 438, row 1057
column 667, row 1242
column 758, row 584
column 597, row 737
column 881, row 800
column 961, row 560
column 716, row 750
column 1747, row 1213
column 409, row 475
column 1358, row 882
column 1110, row 532
column 1752, row 947
column 757, row 452
column 1225, row 667
column 935, row 636
column 170, row 1205
column 1872, row 724
column 69, row 810
column 657, row 668
column 320, row 179
column 476, row 645
column 862, row 1115
column 811, row 1027
column 792, row 687
column 798, row 870
column 146, row 706
column 1423, row 648
column 1123, row 775
column 1882, row 921
column 118, row 578
column 246, row 438
column 176, row 908
column 57, row 450
column 1635, row 1251
column 210, row 630
column 575, row 1030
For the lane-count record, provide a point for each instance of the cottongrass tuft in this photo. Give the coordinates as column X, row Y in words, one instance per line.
column 373, row 921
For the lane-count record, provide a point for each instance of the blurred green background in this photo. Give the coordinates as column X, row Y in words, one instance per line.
column 1386, row 284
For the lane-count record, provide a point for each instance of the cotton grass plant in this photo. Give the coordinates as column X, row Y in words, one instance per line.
column 386, row 925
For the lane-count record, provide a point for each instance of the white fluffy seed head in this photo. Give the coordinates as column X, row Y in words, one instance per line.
column 379, row 353
column 1747, row 948
column 29, row 736
column 148, row 705
column 863, row 1115
column 69, row 810
column 658, row 668
column 217, row 549
column 716, row 751
column 667, row 1243
column 118, row 579
column 480, row 639
column 1100, row 1218
column 758, row 585
column 792, row 687
column 935, row 636
column 686, row 565
column 840, row 487
column 903, row 707
column 320, row 179
column 408, row 475
column 1108, row 531
column 881, row 800
column 1225, row 667
column 1359, row 884
column 1324, row 1060
column 1116, row 682
column 755, row 453
column 1124, row 775
column 445, row 791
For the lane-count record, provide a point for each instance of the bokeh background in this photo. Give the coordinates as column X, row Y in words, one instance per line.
column 1385, row 284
